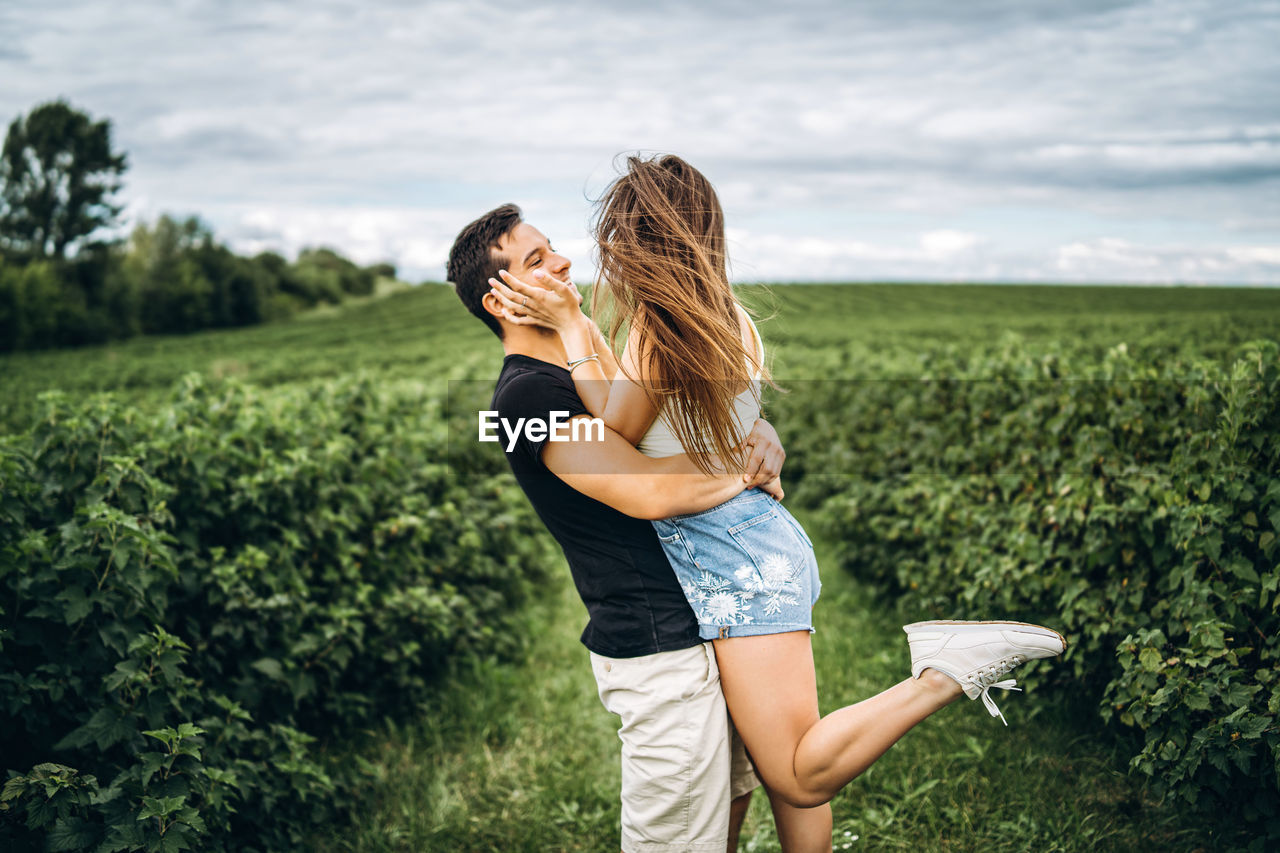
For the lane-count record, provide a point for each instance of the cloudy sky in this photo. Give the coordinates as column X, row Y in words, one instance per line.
column 917, row 139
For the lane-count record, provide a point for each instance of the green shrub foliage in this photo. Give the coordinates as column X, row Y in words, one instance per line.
column 1134, row 507
column 196, row 598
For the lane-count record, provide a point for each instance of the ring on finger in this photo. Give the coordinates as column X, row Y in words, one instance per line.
column 525, row 302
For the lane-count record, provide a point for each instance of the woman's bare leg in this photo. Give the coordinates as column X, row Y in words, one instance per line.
column 772, row 693
column 801, row 830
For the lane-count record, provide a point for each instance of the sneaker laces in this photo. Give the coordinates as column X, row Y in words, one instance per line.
column 986, row 679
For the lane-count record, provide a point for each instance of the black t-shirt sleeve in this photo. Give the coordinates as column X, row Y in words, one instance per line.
column 535, row 395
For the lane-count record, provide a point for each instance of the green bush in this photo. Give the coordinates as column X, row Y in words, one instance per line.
column 32, row 307
column 196, row 599
column 331, row 276
column 1135, row 507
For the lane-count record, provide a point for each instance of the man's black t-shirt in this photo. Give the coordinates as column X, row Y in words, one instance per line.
column 634, row 603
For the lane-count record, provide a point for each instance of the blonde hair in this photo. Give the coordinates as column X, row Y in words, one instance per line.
column 663, row 266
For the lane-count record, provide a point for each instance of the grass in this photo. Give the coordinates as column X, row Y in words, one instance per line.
column 522, row 757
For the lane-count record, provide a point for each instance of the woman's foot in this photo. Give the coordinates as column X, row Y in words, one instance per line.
column 977, row 654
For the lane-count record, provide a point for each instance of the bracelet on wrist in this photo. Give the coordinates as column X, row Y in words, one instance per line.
column 583, row 360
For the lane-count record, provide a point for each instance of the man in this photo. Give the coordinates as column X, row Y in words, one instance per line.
column 686, row 781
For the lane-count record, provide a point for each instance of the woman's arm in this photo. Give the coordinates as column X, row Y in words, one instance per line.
column 607, row 392
column 622, row 403
column 630, row 412
column 608, row 363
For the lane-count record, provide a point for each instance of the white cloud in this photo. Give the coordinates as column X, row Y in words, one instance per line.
column 946, row 243
column 412, row 237
column 933, row 255
column 1269, row 255
column 1120, row 260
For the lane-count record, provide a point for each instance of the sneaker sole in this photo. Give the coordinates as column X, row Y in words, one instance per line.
column 962, row 627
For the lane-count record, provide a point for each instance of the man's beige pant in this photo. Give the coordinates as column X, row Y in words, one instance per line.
column 682, row 761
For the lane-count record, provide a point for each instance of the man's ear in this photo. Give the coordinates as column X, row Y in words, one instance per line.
column 492, row 305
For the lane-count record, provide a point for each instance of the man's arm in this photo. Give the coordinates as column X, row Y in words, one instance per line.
column 615, row 473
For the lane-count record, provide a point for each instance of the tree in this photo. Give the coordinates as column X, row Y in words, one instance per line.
column 333, row 275
column 37, row 309
column 58, row 179
column 174, row 294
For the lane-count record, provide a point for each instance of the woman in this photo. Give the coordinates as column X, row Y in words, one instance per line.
column 689, row 382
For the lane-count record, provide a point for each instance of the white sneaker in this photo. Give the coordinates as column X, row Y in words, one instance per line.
column 976, row 654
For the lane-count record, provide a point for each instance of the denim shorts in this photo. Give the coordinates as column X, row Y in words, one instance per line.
column 746, row 567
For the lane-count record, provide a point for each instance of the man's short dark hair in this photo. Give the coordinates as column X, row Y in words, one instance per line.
column 474, row 259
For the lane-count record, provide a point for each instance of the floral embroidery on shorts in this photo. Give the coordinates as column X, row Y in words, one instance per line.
column 718, row 601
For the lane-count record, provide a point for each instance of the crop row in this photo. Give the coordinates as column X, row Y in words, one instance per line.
column 1135, row 506
column 197, row 598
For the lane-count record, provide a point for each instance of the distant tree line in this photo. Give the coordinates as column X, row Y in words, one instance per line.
column 63, row 283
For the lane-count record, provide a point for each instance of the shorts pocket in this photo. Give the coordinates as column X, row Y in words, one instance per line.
column 797, row 527
column 769, row 536
column 677, row 548
column 667, row 532
column 709, row 672
column 752, row 522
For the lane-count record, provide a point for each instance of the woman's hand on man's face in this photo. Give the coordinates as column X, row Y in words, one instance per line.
column 550, row 303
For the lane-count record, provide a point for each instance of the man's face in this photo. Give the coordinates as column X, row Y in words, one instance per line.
column 527, row 250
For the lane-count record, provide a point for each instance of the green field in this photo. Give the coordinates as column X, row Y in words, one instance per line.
column 425, row 334
column 511, row 751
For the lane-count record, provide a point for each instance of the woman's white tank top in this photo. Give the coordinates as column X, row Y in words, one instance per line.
column 661, row 439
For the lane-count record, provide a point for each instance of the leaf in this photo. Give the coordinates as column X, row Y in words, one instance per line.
column 78, row 604
column 1253, row 727
column 1197, row 700
column 1212, row 544
column 165, row 735
column 1239, row 695
column 1243, row 569
column 233, row 709
column 160, row 806
column 13, row 789
column 186, row 730
column 1149, row 659
column 124, row 672
column 222, row 777
column 105, row 728
column 270, row 667
column 174, row 842
column 151, row 764
column 71, row 833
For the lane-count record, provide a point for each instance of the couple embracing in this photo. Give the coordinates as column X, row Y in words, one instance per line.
column 698, row 584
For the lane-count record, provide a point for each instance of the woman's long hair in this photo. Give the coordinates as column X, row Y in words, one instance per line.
column 660, row 233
